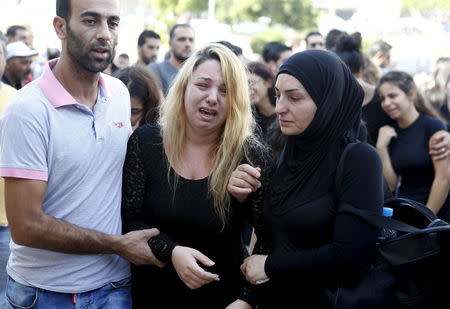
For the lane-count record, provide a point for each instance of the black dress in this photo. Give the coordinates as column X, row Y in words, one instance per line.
column 314, row 247
column 411, row 160
column 186, row 219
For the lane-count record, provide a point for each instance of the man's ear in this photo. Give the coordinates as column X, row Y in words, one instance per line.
column 60, row 26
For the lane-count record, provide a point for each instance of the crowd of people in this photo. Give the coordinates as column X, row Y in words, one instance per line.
column 203, row 180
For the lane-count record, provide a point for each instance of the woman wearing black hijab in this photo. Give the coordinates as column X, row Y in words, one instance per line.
column 314, row 246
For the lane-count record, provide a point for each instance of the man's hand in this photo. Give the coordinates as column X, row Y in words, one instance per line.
column 133, row 246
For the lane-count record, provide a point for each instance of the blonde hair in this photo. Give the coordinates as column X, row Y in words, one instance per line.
column 231, row 144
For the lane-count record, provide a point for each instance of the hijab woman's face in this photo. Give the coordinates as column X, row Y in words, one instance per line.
column 295, row 108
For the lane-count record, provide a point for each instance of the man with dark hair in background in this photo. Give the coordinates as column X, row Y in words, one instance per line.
column 181, row 44
column 380, row 55
column 315, row 40
column 63, row 145
column 19, row 33
column 275, row 54
column 148, row 47
column 123, row 61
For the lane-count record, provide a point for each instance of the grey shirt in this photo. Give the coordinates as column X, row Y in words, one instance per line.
column 165, row 72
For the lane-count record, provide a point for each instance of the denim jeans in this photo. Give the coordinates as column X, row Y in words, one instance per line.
column 114, row 295
column 4, row 255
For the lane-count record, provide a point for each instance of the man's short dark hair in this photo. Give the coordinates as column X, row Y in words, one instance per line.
column 234, row 48
column 124, row 55
column 12, row 30
column 147, row 34
column 63, row 9
column 311, row 34
column 273, row 50
column 172, row 31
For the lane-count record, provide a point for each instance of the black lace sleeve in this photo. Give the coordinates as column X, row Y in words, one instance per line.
column 262, row 158
column 259, row 156
column 133, row 192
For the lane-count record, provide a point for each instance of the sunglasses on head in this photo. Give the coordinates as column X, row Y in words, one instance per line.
column 316, row 44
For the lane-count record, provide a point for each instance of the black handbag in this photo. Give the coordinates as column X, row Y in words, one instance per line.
column 406, row 272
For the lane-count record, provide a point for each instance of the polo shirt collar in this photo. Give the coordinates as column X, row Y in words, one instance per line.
column 56, row 94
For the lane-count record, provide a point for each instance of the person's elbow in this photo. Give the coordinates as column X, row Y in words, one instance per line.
column 26, row 231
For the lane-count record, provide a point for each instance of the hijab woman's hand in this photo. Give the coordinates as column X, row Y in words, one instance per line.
column 253, row 269
column 239, row 304
column 243, row 181
column 440, row 145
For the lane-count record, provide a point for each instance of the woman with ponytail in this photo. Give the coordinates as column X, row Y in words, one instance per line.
column 414, row 150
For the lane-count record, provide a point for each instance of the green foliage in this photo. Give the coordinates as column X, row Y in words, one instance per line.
column 426, row 4
column 297, row 14
column 258, row 41
column 168, row 11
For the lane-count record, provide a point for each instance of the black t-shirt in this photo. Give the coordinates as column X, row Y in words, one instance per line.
column 410, row 158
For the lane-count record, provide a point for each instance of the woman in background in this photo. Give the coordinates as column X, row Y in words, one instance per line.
column 405, row 146
column 145, row 94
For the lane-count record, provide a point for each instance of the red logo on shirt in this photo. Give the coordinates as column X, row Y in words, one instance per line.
column 118, row 124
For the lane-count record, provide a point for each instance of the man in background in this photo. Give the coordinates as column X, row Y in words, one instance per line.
column 380, row 54
column 275, row 54
column 18, row 64
column 315, row 40
column 181, row 45
column 19, row 33
column 148, row 47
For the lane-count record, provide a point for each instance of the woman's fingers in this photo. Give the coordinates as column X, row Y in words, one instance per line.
column 244, row 180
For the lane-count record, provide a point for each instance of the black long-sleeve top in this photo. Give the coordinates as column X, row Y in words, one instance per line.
column 186, row 218
column 316, row 247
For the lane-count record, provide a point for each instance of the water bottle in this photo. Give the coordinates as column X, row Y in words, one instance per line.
column 387, row 234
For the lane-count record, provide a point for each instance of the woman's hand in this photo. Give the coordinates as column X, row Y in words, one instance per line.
column 439, row 145
column 184, row 260
column 253, row 269
column 243, row 181
column 239, row 304
column 385, row 135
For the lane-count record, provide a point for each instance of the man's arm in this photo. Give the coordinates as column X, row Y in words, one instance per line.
column 31, row 227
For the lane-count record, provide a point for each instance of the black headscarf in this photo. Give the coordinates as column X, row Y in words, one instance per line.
column 308, row 163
